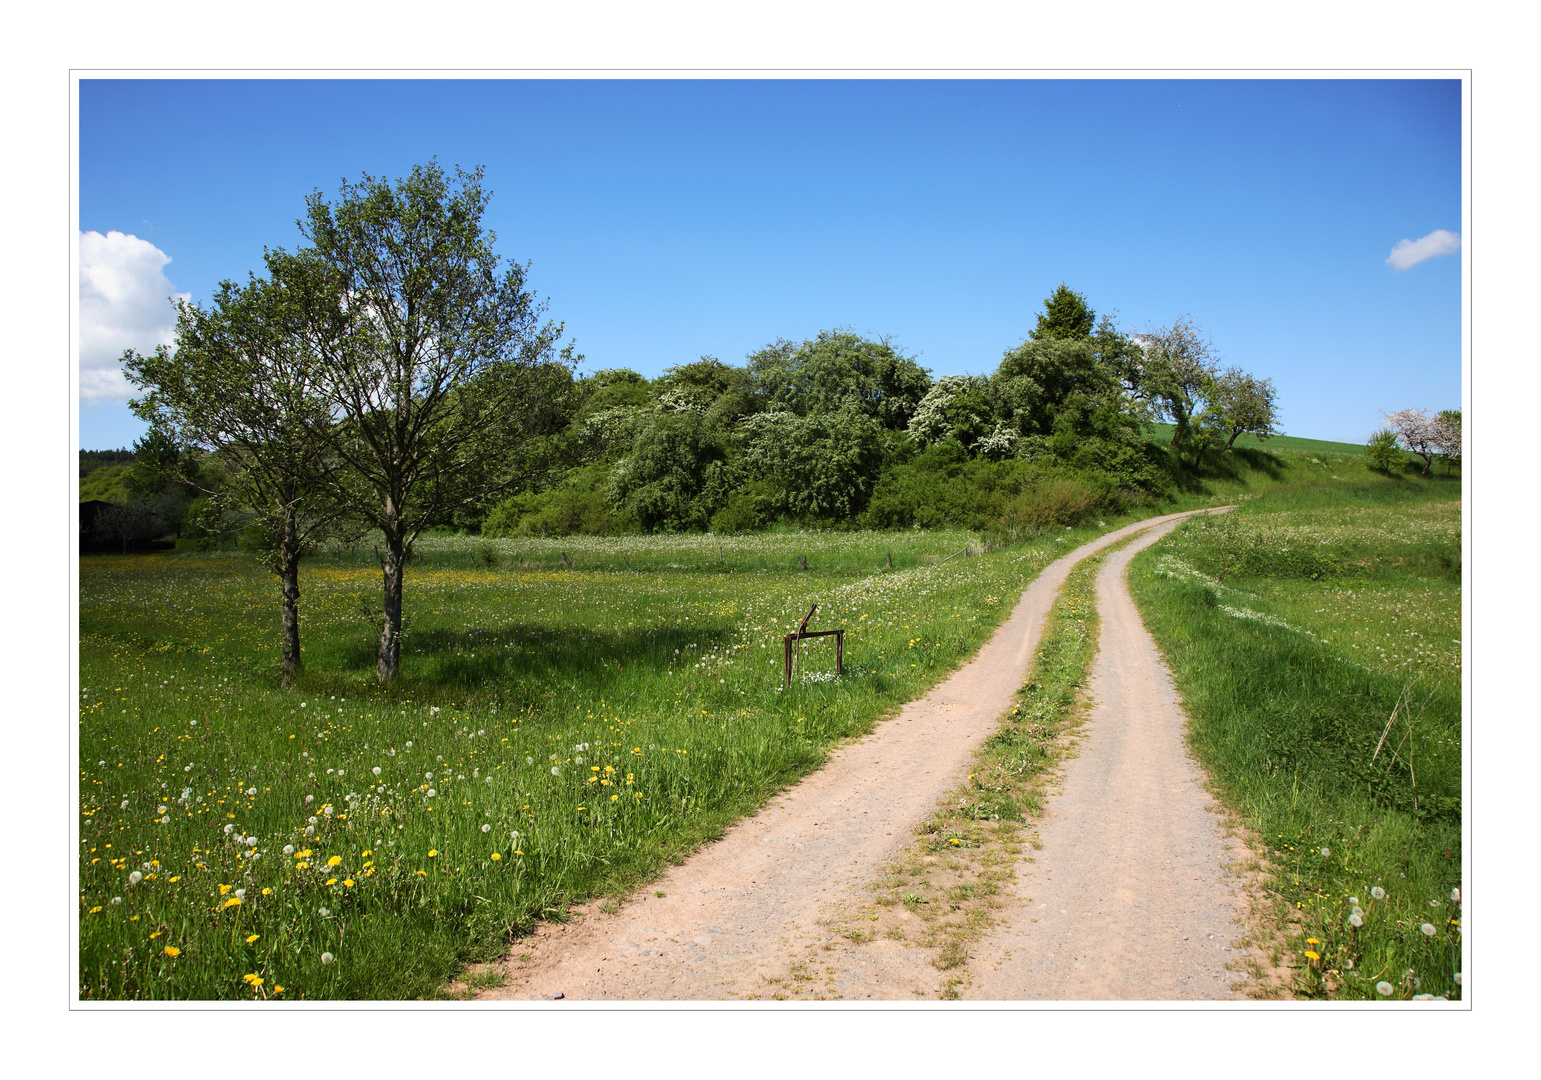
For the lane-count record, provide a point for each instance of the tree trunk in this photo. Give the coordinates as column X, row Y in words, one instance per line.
column 391, row 566
column 289, row 578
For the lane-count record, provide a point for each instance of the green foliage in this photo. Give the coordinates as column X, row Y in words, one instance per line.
column 818, row 467
column 1065, row 316
column 676, row 475
column 91, row 460
column 109, row 483
column 578, row 505
column 1384, row 453
column 839, row 369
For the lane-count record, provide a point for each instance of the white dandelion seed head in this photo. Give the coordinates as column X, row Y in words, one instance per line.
column 123, row 805
column 438, row 757
column 528, row 760
column 162, row 809
column 323, row 912
column 1384, row 988
column 251, row 791
column 1356, row 919
column 1353, row 901
column 380, row 790
column 310, row 799
column 229, row 829
column 1326, row 852
column 327, row 810
column 428, row 776
column 409, row 744
column 1460, row 979
column 135, row 878
column 311, row 819
column 1455, row 896
column 376, row 770
column 1378, row 893
column 327, row 958
column 578, row 760
column 288, row 849
column 310, row 830
column 1428, row 929
column 1423, row 997
column 119, row 900
column 165, row 819
column 514, row 835
column 240, row 894
column 486, row 828
column 432, row 793
column 555, row 771
column 101, row 763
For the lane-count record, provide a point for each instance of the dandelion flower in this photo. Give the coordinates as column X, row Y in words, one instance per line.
column 172, row 951
column 1312, row 955
column 251, row 938
column 335, row 860
column 433, row 853
column 327, row 958
column 496, row 856
column 1378, row 893
column 1384, row 988
column 1428, row 929
column 347, row 883
column 234, row 901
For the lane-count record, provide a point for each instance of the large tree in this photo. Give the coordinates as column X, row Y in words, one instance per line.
column 437, row 359
column 1239, row 404
column 1173, row 376
column 242, row 383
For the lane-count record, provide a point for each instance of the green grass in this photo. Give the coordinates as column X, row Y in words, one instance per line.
column 660, row 656
column 613, row 719
column 1296, row 627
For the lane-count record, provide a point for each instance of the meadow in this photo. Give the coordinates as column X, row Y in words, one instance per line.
column 572, row 715
column 557, row 733
column 1315, row 635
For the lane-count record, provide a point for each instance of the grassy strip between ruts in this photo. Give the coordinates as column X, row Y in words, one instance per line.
column 1314, row 636
column 944, row 892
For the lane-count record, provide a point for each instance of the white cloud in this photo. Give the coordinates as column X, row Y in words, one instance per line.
column 1412, row 252
column 123, row 305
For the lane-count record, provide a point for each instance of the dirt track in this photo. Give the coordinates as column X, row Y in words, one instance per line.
column 744, row 911
column 1127, row 898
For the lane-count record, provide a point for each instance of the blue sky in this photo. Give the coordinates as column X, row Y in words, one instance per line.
column 665, row 220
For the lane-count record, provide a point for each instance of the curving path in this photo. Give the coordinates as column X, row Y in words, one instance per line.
column 1127, row 898
column 744, row 909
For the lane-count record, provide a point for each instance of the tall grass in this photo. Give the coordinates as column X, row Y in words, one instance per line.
column 1315, row 636
column 556, row 734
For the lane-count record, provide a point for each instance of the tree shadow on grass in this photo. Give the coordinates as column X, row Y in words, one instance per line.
column 514, row 658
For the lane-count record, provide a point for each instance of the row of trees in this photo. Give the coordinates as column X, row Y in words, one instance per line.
column 822, row 430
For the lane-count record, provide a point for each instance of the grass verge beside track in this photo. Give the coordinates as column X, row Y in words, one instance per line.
column 1314, row 634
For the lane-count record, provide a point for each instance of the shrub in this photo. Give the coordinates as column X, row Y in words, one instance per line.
column 1383, row 453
